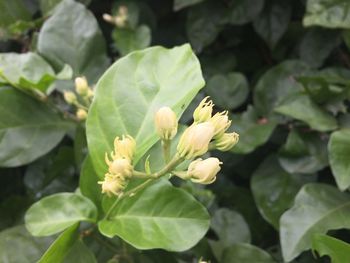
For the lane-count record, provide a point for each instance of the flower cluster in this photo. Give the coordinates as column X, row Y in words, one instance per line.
column 206, row 132
column 120, row 168
column 82, row 97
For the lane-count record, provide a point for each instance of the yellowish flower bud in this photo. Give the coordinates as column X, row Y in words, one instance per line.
column 204, row 110
column 195, row 140
column 124, row 148
column 226, row 141
column 69, row 97
column 81, row 114
column 81, row 86
column 120, row 166
column 166, row 123
column 113, row 185
column 108, row 18
column 221, row 123
column 204, row 171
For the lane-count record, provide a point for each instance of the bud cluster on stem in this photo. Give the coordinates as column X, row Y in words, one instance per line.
column 207, row 132
column 120, row 19
column 81, row 99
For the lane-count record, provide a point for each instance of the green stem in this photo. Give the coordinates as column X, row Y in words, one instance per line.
column 166, row 150
column 168, row 168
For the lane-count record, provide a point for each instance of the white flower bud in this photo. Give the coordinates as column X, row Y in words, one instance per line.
column 69, row 97
column 226, row 141
column 81, row 86
column 195, row 140
column 221, row 123
column 81, row 114
column 108, row 18
column 124, row 148
column 204, row 110
column 120, row 166
column 113, row 185
column 166, row 123
column 204, row 171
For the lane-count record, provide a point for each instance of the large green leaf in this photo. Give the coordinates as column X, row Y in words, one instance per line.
column 130, row 93
column 339, row 157
column 161, row 216
column 336, row 249
column 326, row 85
column 327, row 13
column 79, row 252
column 228, row 91
column 204, row 23
column 274, row 189
column 28, row 128
column 88, row 182
column 277, row 84
column 230, row 228
column 127, row 40
column 61, row 246
column 254, row 131
column 245, row 253
column 244, row 11
column 303, row 153
column 272, row 23
column 28, row 71
column 55, row 213
column 19, row 246
column 317, row 209
column 180, row 4
column 12, row 11
column 317, row 44
column 301, row 107
column 72, row 36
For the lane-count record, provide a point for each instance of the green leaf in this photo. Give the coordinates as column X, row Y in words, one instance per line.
column 244, row 11
column 274, row 189
column 72, row 36
column 327, row 13
column 130, row 93
column 327, row 85
column 317, row 44
column 245, row 253
column 254, row 131
column 317, row 209
column 51, row 173
column 61, row 246
column 127, row 40
column 273, row 21
column 336, row 249
column 228, row 91
column 79, row 253
column 27, row 71
column 301, row 107
column 28, row 128
column 230, row 227
column 17, row 245
column 303, row 153
column 55, row 213
column 204, row 23
column 161, row 216
column 88, row 183
column 339, row 157
column 277, row 84
column 12, row 11
column 180, row 4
